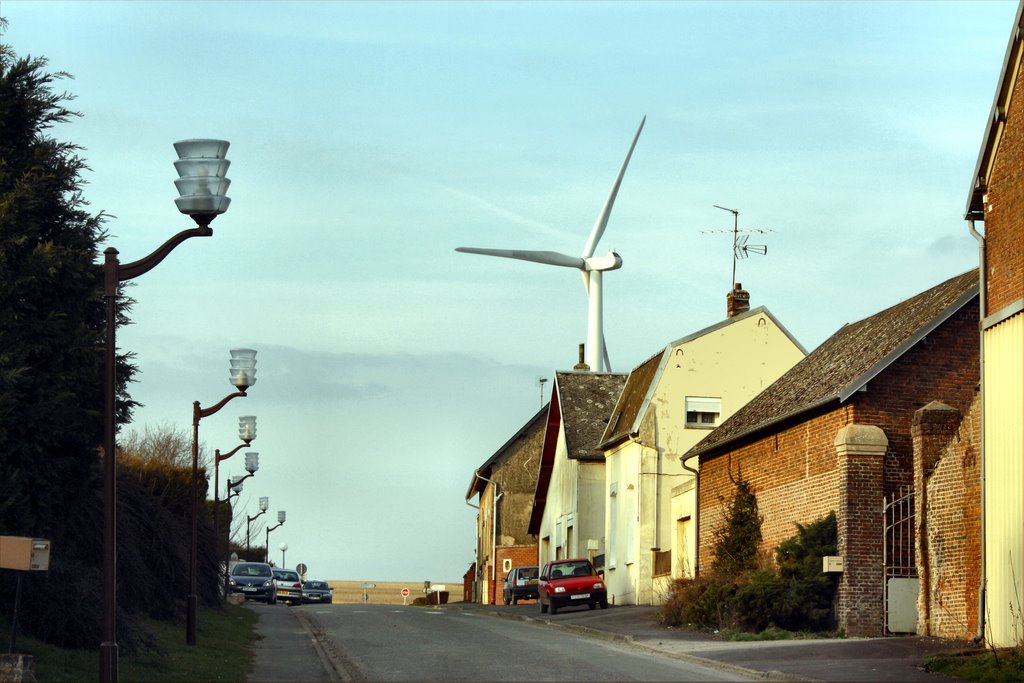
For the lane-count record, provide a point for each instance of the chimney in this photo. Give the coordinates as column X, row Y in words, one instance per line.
column 581, row 366
column 737, row 301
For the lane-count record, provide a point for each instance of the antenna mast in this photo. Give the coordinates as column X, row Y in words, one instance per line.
column 740, row 248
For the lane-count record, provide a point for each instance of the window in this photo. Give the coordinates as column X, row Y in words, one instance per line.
column 703, row 412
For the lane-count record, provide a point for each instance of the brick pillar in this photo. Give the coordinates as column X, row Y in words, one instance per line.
column 932, row 430
column 860, row 534
column 17, row 669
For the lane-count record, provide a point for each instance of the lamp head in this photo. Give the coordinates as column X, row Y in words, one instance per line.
column 243, row 368
column 283, row 546
column 202, row 183
column 247, row 428
column 236, row 483
column 280, row 516
column 252, row 462
column 264, row 503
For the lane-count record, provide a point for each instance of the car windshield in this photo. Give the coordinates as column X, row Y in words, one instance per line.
column 315, row 584
column 563, row 569
column 251, row 570
column 527, row 572
column 282, row 575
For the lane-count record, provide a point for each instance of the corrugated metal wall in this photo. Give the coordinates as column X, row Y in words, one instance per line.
column 1004, row 480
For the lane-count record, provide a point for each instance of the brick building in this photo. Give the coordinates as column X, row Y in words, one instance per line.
column 504, row 486
column 835, row 433
column 996, row 198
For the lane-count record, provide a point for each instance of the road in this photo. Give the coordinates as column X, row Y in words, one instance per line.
column 396, row 643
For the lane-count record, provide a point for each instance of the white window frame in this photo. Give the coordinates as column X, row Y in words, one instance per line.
column 706, row 412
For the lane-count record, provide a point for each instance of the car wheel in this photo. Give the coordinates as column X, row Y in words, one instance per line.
column 591, row 605
column 604, row 604
column 543, row 608
column 554, row 610
column 515, row 600
column 505, row 600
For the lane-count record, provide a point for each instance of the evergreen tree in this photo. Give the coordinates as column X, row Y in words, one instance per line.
column 52, row 321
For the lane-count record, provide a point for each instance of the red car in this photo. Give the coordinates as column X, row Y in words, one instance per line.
column 567, row 583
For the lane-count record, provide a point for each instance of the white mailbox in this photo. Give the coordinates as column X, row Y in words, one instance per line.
column 832, row 564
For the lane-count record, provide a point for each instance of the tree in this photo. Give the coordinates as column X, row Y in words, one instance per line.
column 736, row 542
column 51, row 308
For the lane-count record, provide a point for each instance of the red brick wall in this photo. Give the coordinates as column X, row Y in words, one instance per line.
column 521, row 556
column 948, row 495
column 1004, row 223
column 796, row 476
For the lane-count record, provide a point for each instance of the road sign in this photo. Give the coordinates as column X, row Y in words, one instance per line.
column 301, row 569
column 405, row 592
column 368, row 586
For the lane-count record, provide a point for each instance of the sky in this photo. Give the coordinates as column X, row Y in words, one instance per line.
column 369, row 140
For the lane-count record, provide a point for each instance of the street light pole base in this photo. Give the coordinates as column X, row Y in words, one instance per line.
column 192, row 608
column 108, row 662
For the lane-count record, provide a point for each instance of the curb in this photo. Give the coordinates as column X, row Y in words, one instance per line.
column 331, row 661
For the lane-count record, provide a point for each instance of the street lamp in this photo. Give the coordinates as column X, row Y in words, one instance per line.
column 243, row 376
column 247, row 433
column 283, row 547
column 202, row 184
column 252, row 463
column 264, row 504
column 280, row 521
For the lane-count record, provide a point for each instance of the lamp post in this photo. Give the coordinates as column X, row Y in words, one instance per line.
column 202, row 185
column 283, row 547
column 252, row 463
column 247, row 433
column 243, row 376
column 264, row 504
column 266, row 547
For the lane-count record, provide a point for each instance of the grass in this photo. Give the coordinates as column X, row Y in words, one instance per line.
column 223, row 652
column 986, row 667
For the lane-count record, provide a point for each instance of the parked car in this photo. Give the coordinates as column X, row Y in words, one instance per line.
column 255, row 580
column 317, row 591
column 520, row 584
column 567, row 583
column 289, row 586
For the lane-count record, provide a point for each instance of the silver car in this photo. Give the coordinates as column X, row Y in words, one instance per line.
column 289, row 586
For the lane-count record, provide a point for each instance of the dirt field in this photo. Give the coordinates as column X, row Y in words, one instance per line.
column 388, row 592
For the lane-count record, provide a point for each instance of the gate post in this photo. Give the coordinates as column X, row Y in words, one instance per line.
column 860, row 451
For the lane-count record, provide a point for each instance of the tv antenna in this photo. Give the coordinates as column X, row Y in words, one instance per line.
column 540, row 382
column 740, row 248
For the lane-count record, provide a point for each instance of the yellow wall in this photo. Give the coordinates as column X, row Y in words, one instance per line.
column 1004, row 481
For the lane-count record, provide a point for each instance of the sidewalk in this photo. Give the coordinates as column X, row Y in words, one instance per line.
column 893, row 659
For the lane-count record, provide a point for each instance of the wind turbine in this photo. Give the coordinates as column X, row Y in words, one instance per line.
column 591, row 267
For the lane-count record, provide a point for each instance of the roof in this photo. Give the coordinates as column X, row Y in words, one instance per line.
column 638, row 392
column 580, row 405
column 482, row 473
column 996, row 119
column 587, row 400
column 845, row 362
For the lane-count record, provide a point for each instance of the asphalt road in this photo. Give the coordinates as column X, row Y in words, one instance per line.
column 395, row 643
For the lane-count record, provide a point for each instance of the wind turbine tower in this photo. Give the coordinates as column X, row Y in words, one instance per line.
column 591, row 267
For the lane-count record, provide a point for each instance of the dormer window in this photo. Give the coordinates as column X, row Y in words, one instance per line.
column 703, row 412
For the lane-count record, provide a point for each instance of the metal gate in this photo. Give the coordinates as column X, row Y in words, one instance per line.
column 899, row 562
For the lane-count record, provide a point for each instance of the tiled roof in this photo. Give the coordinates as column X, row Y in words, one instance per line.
column 845, row 362
column 587, row 399
column 632, row 398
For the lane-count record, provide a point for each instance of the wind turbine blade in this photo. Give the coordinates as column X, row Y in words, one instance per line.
column 606, row 210
column 551, row 258
column 604, row 349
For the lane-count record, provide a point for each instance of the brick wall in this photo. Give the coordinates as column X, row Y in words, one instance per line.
column 797, row 475
column 1004, row 222
column 521, row 556
column 948, row 500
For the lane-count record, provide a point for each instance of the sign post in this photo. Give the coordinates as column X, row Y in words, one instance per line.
column 405, row 595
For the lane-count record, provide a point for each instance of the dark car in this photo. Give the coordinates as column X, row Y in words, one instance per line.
column 520, row 584
column 255, row 580
column 567, row 583
column 317, row 591
column 289, row 586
